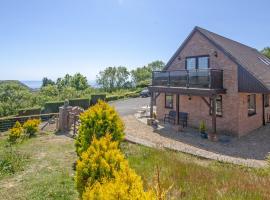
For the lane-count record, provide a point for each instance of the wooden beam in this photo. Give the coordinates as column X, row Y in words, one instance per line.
column 206, row 102
column 151, row 104
column 177, row 109
column 263, row 109
column 214, row 117
column 187, row 91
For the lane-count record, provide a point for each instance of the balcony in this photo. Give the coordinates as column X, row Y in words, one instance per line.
column 201, row 82
column 203, row 78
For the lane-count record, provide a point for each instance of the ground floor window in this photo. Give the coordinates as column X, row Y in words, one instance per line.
column 218, row 105
column 266, row 100
column 251, row 104
column 168, row 100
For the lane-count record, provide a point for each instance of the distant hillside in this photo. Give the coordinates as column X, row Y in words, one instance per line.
column 14, row 82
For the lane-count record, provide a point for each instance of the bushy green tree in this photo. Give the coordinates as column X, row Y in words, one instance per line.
column 46, row 81
column 113, row 78
column 14, row 96
column 96, row 122
column 266, row 52
column 79, row 82
column 141, row 76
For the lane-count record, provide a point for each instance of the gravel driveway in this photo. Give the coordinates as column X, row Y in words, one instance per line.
column 130, row 106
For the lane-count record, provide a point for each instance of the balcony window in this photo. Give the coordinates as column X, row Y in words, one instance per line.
column 203, row 62
column 197, row 62
column 190, row 63
column 251, row 104
column 218, row 106
column 168, row 101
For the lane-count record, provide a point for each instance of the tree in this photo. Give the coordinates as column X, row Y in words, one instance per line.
column 266, row 52
column 14, row 96
column 142, row 75
column 113, row 78
column 46, row 82
column 96, row 122
column 79, row 82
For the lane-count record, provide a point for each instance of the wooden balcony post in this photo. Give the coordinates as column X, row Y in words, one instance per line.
column 151, row 104
column 177, row 109
column 214, row 117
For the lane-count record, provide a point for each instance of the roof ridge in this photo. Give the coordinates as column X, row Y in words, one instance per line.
column 203, row 29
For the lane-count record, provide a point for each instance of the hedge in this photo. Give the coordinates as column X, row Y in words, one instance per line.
column 83, row 103
column 52, row 107
column 29, row 111
column 96, row 97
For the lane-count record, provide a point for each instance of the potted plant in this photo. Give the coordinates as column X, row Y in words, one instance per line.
column 202, row 129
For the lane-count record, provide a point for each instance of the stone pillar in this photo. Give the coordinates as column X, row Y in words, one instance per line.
column 64, row 117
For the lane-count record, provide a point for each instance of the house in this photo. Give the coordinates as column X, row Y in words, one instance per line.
column 209, row 69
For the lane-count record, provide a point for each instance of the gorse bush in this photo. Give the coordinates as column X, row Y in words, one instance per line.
column 126, row 185
column 16, row 132
column 97, row 121
column 101, row 160
column 31, row 126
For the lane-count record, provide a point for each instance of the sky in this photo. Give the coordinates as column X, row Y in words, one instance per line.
column 49, row 38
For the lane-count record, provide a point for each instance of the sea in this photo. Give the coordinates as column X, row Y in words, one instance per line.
column 37, row 84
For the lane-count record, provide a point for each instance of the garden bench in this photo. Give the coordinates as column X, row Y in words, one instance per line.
column 171, row 118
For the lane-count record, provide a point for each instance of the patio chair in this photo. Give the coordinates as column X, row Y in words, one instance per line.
column 183, row 117
column 171, row 117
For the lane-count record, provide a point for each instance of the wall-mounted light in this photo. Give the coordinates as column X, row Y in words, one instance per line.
column 179, row 58
column 216, row 54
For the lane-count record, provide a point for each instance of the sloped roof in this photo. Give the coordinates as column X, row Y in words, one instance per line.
column 247, row 57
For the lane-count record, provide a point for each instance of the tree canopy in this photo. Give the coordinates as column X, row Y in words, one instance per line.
column 266, row 52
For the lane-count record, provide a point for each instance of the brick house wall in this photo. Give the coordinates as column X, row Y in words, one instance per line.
column 235, row 119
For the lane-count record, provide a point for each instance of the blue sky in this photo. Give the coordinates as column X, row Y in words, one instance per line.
column 53, row 37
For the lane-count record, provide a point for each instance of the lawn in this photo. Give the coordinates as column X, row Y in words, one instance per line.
column 44, row 170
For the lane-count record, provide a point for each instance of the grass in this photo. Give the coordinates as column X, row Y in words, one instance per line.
column 46, row 172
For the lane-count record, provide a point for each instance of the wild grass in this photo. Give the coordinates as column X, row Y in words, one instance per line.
column 46, row 172
column 195, row 178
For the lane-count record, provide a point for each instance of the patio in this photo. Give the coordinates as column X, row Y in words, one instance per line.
column 250, row 150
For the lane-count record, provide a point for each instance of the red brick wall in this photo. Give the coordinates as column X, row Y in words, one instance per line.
column 234, row 119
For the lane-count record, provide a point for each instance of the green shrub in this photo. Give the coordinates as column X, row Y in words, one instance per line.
column 96, row 97
column 29, row 111
column 97, row 121
column 127, row 185
column 31, row 126
column 101, row 160
column 81, row 102
column 202, row 127
column 16, row 132
column 11, row 161
column 52, row 107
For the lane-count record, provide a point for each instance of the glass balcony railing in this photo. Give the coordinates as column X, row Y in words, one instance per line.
column 198, row 78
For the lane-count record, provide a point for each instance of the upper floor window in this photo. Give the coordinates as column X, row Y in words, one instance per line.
column 197, row 62
column 266, row 100
column 251, row 104
column 190, row 63
column 168, row 100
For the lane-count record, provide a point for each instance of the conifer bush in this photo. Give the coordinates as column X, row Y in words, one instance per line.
column 31, row 126
column 97, row 121
column 126, row 185
column 101, row 160
column 16, row 132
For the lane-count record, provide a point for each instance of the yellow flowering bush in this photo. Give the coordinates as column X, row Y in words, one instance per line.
column 126, row 185
column 15, row 132
column 31, row 126
column 97, row 121
column 101, row 160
